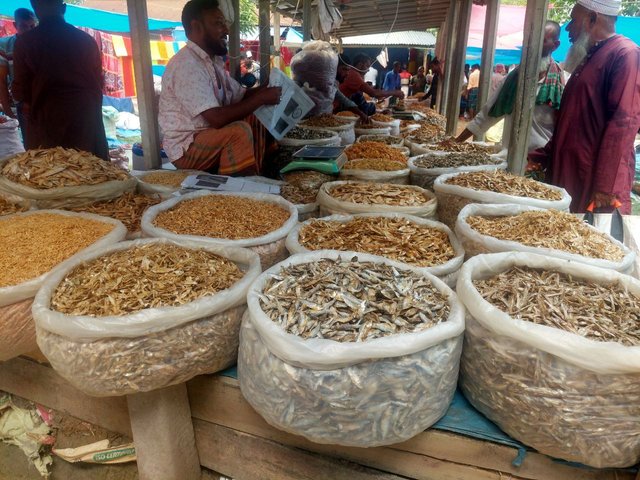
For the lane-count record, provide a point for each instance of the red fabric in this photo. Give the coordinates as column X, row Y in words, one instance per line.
column 352, row 84
column 592, row 145
column 6, row 28
column 111, row 65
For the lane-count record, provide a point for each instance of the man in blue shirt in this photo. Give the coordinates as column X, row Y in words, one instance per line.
column 392, row 79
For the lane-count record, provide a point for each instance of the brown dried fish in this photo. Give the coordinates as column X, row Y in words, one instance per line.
column 167, row 178
column 451, row 145
column 378, row 194
column 147, row 276
column 351, row 301
column 379, row 117
column 7, row 207
column 307, row 179
column 297, row 195
column 60, row 167
column 322, row 121
column 380, row 165
column 375, row 150
column 499, row 181
column 426, row 133
column 549, row 229
column 454, row 160
column 395, row 238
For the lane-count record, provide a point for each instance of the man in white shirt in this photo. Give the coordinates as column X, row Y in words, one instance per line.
column 371, row 77
column 500, row 102
column 205, row 115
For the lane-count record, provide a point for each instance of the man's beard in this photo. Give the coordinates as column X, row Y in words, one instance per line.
column 577, row 53
column 219, row 48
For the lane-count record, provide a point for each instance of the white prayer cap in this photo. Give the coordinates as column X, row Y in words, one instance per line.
column 605, row 7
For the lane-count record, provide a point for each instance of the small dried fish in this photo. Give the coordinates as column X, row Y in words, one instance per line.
column 147, row 276
column 605, row 313
column 375, row 150
column 8, row 207
column 432, row 117
column 351, row 301
column 60, row 167
column 167, row 178
column 395, row 238
column 223, row 216
column 322, row 121
column 307, row 179
column 426, row 133
column 297, row 195
column 499, row 181
column 298, row 133
column 375, row 164
column 549, row 229
column 389, row 140
column 450, row 145
column 379, row 117
column 379, row 194
column 346, row 114
column 454, row 160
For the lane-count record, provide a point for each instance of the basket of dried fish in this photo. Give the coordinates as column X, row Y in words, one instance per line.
column 178, row 316
column 360, row 197
column 390, row 140
column 33, row 243
column 299, row 137
column 163, row 181
column 428, row 245
column 365, row 354
column 552, row 354
column 329, row 122
column 347, row 116
column 258, row 221
column 58, row 178
column 301, row 188
column 485, row 228
column 455, row 190
column 371, row 129
column 375, row 170
column 386, row 121
column 427, row 167
column 418, row 139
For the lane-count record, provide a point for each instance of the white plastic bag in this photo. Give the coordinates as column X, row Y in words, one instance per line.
column 270, row 247
column 400, row 177
column 453, row 198
column 16, row 323
column 333, row 140
column 361, row 394
column 147, row 349
column 346, row 133
column 394, row 126
column 62, row 197
column 444, row 271
column 330, row 205
column 476, row 243
column 10, row 143
column 424, row 177
column 563, row 394
column 372, row 131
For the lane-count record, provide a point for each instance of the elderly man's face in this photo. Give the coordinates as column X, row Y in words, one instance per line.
column 580, row 24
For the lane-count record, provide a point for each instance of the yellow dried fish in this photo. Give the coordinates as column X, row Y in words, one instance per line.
column 376, row 150
column 168, row 179
column 375, row 164
column 379, row 117
column 395, row 238
column 147, row 276
column 499, row 181
column 378, row 194
column 298, row 195
column 7, row 207
column 60, row 167
column 223, row 216
column 322, row 121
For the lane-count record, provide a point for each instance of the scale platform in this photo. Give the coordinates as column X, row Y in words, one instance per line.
column 329, row 160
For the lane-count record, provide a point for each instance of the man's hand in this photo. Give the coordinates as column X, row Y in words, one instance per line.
column 464, row 136
column 271, row 95
column 399, row 94
column 603, row 199
column 364, row 119
column 532, row 166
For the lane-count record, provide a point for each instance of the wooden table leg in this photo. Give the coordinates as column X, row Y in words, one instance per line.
column 163, row 434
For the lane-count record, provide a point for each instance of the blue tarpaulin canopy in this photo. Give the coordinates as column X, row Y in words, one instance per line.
column 89, row 18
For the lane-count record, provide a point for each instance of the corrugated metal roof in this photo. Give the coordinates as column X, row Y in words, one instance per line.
column 410, row 38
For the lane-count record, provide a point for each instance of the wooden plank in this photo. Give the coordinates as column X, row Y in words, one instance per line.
column 249, row 457
column 41, row 384
column 219, row 400
column 234, row 41
column 488, row 53
column 306, row 20
column 446, row 81
column 145, row 90
column 264, row 17
column 535, row 17
column 277, row 59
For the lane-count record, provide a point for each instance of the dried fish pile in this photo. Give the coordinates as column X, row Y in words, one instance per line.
column 307, row 179
column 128, row 208
column 59, row 167
column 375, row 164
column 298, row 195
column 389, row 140
column 379, row 117
column 432, row 117
column 33, row 244
column 425, row 134
column 375, row 150
column 379, row 194
column 168, row 179
column 222, row 216
column 498, row 181
column 395, row 238
column 454, row 160
column 549, row 229
column 298, row 133
column 606, row 313
column 346, row 114
column 147, row 276
column 450, row 145
column 350, row 301
column 7, row 207
column 369, row 126
column 322, row 121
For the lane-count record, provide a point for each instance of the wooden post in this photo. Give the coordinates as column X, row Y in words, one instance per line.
column 534, row 20
column 264, row 24
column 234, row 41
column 163, row 434
column 277, row 62
column 488, row 52
column 306, row 20
column 145, row 91
column 457, row 70
column 447, row 33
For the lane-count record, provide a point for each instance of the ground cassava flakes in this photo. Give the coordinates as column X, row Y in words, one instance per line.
column 223, row 216
column 34, row 244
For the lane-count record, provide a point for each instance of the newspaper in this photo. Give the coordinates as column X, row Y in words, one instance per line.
column 294, row 105
column 222, row 183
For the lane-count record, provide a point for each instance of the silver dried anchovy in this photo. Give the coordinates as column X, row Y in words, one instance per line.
column 298, row 133
column 454, row 160
column 351, row 301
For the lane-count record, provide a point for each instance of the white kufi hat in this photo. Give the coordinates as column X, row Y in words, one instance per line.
column 605, row 7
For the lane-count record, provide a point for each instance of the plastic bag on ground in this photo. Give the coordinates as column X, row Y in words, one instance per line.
column 16, row 321
column 424, row 177
column 147, row 349
column 378, row 392
column 400, row 177
column 563, row 394
column 444, row 272
column 453, row 198
column 270, row 247
column 475, row 243
column 331, row 206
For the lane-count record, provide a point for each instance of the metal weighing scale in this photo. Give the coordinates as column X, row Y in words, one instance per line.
column 329, row 160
